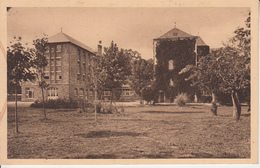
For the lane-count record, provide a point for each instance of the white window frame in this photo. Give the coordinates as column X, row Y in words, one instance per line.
column 127, row 92
column 53, row 93
column 27, row 93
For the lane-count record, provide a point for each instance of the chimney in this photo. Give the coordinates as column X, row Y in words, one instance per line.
column 99, row 48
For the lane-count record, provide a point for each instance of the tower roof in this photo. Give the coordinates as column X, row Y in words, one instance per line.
column 200, row 42
column 175, row 33
column 62, row 37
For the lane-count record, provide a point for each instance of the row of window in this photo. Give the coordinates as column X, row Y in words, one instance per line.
column 52, row 48
column 51, row 75
column 52, row 93
column 80, row 92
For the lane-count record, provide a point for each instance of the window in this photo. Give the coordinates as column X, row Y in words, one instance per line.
column 58, row 62
column 175, row 34
column 171, row 65
column 58, row 68
column 52, row 75
column 78, row 67
column 91, row 92
column 76, row 92
column 127, row 92
column 58, row 48
column 46, row 75
column 84, row 68
column 78, row 76
column 81, row 92
column 78, row 54
column 107, row 93
column 52, row 93
column 52, row 49
column 58, row 75
column 84, row 56
column 29, row 93
column 52, row 62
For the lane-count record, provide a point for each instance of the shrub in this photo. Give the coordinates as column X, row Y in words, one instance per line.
column 181, row 99
column 108, row 108
column 57, row 103
column 150, row 95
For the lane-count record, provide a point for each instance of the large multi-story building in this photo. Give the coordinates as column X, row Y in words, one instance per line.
column 69, row 73
column 68, row 70
column 173, row 51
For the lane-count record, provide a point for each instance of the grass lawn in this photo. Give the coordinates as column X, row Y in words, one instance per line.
column 138, row 132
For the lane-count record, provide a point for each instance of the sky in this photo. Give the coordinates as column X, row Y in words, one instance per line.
column 131, row 28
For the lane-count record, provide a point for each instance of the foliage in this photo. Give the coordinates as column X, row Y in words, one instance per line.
column 142, row 74
column 181, row 99
column 19, row 62
column 113, row 67
column 182, row 53
column 40, row 61
column 150, row 93
column 19, row 67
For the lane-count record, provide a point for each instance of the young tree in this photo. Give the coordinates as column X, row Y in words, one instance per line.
column 19, row 68
column 40, row 61
column 142, row 75
column 114, row 68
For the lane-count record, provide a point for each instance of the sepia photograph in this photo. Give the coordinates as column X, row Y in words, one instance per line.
column 130, row 83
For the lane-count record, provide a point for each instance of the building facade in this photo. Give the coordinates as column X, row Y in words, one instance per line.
column 67, row 73
column 173, row 51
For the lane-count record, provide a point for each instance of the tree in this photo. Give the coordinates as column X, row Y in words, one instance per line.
column 40, row 61
column 235, row 65
column 114, row 68
column 142, row 75
column 205, row 77
column 234, row 74
column 19, row 68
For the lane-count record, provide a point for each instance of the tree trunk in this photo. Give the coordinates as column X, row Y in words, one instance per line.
column 95, row 104
column 112, row 95
column 16, row 114
column 214, row 106
column 236, row 105
column 43, row 105
column 142, row 99
column 195, row 98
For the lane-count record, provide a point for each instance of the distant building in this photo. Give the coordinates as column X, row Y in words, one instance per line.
column 172, row 52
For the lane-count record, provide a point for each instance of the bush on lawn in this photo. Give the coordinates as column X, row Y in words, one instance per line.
column 181, row 99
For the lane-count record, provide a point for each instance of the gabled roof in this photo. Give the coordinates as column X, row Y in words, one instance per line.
column 62, row 37
column 200, row 42
column 175, row 33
